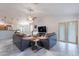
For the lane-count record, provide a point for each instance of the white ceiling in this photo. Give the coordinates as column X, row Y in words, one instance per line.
column 40, row 9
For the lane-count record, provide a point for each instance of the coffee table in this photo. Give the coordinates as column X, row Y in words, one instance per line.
column 34, row 41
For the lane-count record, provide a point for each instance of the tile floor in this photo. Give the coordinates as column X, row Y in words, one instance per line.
column 60, row 49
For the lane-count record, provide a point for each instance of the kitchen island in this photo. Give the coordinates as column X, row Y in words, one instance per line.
column 6, row 34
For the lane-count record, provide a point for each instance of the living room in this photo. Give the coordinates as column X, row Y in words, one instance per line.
column 39, row 29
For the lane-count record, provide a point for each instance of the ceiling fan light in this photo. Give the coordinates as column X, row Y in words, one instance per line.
column 30, row 18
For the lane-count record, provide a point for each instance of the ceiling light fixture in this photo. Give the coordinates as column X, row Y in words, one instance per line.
column 30, row 17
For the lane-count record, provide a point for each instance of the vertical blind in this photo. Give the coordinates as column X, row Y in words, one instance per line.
column 68, row 32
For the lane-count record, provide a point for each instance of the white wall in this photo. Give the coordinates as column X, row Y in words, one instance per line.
column 48, row 22
column 52, row 23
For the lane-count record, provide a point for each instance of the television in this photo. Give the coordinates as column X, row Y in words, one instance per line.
column 42, row 29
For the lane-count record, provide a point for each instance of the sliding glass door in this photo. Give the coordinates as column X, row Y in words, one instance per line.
column 68, row 32
column 72, row 32
column 62, row 32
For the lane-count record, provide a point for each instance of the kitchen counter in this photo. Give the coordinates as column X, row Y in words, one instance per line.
column 6, row 34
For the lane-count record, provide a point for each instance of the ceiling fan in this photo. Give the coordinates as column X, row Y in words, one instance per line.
column 31, row 17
